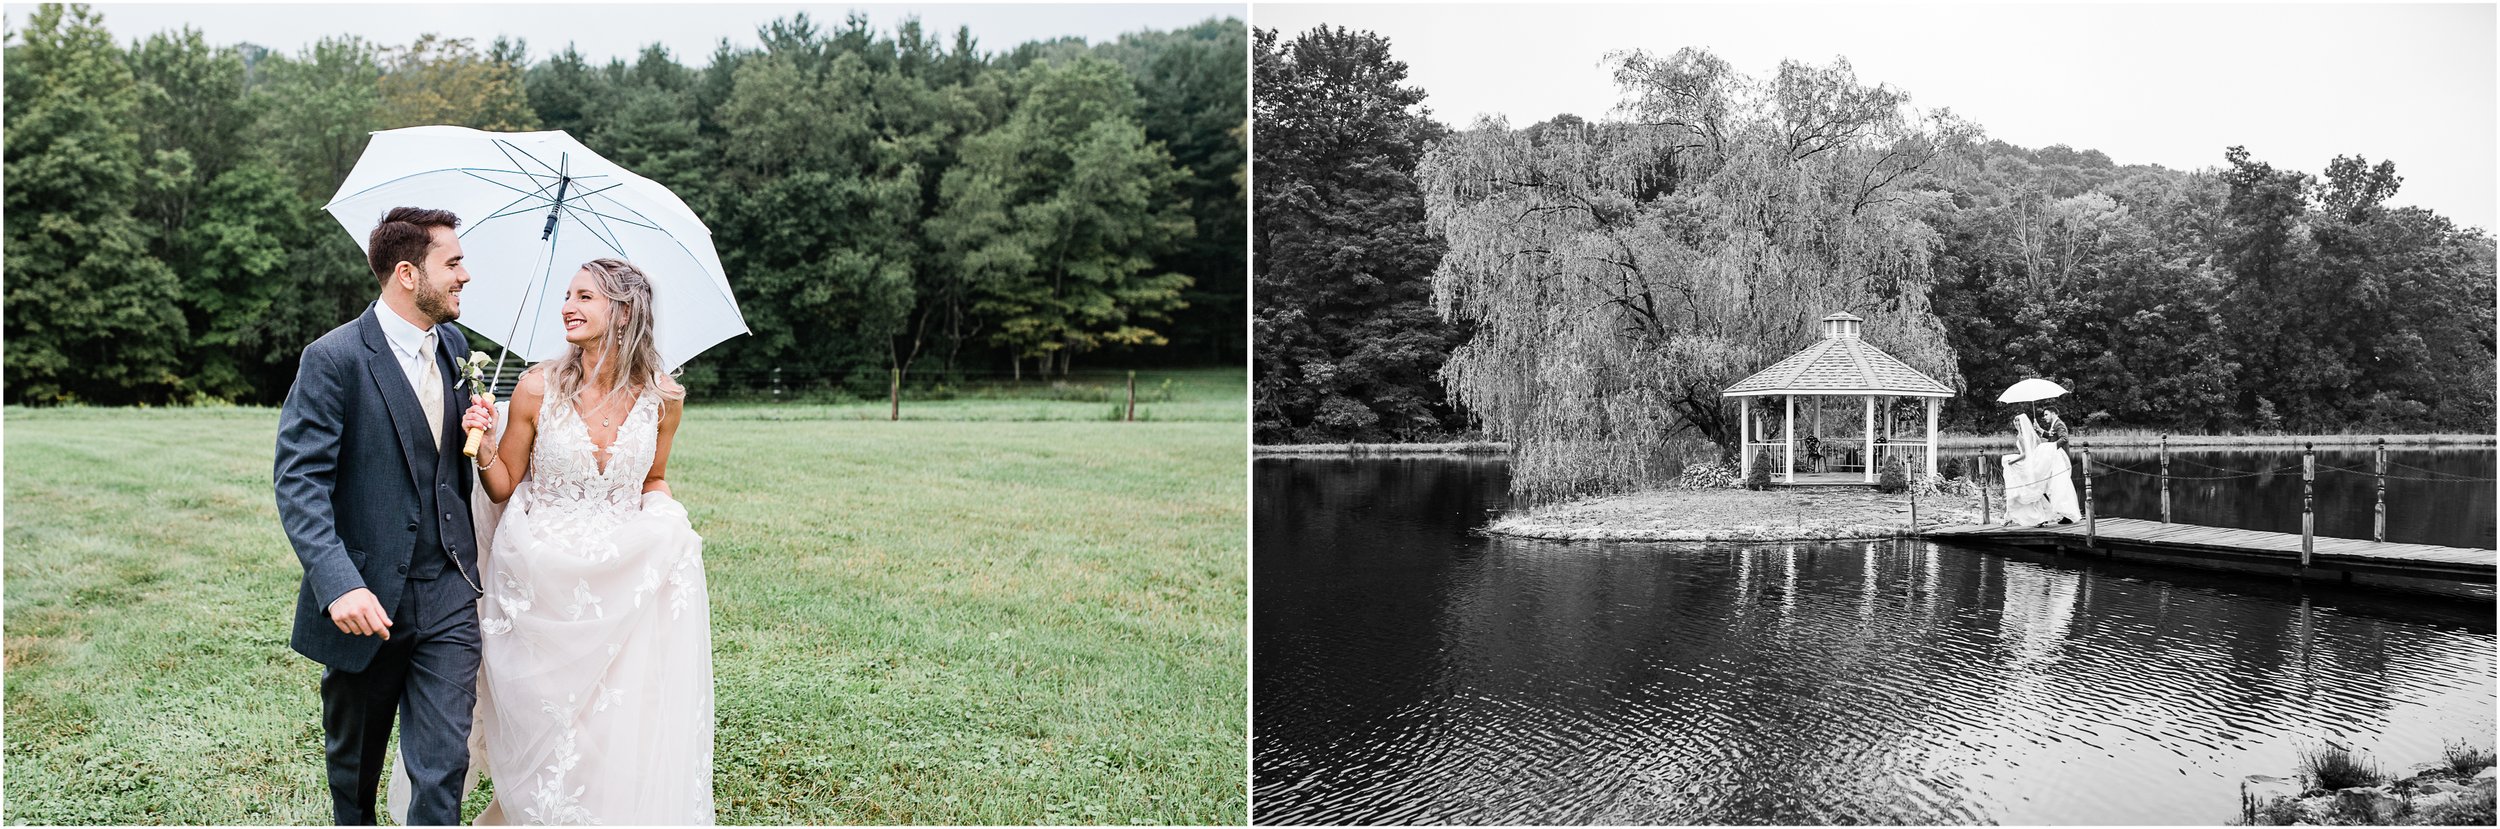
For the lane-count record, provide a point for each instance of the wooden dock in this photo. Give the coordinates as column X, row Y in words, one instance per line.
column 2419, row 567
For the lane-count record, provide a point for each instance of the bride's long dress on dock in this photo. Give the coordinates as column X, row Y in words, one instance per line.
column 2039, row 481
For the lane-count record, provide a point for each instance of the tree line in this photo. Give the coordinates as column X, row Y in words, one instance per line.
column 1585, row 289
column 883, row 201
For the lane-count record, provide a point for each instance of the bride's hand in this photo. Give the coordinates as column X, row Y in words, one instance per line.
column 481, row 413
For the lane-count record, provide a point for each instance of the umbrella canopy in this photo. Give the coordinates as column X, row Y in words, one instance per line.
column 2030, row 390
column 533, row 207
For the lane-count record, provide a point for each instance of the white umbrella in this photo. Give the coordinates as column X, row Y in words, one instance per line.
column 2030, row 390
column 533, row 207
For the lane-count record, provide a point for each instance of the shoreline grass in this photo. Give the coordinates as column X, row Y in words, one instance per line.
column 1367, row 449
column 978, row 622
column 1725, row 514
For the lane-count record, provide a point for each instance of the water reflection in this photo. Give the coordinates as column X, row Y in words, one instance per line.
column 1410, row 671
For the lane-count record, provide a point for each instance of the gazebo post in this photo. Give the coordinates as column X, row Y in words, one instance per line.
column 1788, row 439
column 1868, row 467
column 1931, row 433
column 1817, row 434
column 1744, row 437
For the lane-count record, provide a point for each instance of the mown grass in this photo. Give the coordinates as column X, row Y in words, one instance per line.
column 933, row 622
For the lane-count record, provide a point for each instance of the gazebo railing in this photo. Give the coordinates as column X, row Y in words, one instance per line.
column 1912, row 452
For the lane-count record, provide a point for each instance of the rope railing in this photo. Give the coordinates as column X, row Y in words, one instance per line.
column 2260, row 473
column 2308, row 469
column 2435, row 476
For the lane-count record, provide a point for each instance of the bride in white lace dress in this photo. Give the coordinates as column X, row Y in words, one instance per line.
column 595, row 687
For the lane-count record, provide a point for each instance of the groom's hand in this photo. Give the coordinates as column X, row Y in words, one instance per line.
column 360, row 614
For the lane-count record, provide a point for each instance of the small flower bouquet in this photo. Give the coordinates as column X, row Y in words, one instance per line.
column 474, row 366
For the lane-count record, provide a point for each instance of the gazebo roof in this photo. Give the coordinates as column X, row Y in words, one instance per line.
column 1840, row 363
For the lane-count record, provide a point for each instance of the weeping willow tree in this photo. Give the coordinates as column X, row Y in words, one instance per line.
column 1620, row 274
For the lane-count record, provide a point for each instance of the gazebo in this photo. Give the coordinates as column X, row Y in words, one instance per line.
column 1841, row 365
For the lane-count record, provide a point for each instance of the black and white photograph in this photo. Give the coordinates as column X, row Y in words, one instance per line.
column 1871, row 414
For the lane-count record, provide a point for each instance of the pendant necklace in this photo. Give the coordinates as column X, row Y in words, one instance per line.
column 607, row 415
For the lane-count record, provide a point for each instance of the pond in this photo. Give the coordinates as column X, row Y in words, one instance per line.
column 1410, row 670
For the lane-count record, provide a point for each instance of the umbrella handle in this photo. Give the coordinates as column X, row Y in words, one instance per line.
column 477, row 438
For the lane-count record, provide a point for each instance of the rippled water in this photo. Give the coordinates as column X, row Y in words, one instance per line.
column 1408, row 670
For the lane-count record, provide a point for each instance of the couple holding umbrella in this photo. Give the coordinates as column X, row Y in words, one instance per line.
column 552, row 627
column 2039, row 480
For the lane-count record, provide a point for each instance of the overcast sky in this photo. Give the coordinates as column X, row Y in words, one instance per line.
column 2168, row 85
column 612, row 30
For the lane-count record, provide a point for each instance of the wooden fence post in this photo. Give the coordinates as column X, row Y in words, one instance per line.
column 2091, row 522
column 2165, row 477
column 2308, row 502
column 897, row 412
column 2378, row 526
column 1132, row 397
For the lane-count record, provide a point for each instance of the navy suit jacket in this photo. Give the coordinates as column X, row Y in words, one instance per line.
column 359, row 488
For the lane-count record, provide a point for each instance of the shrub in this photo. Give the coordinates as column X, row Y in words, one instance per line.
column 1894, row 480
column 1952, row 467
column 1761, row 477
column 1706, row 475
column 2331, row 766
column 2275, row 811
column 1929, row 486
column 2464, row 759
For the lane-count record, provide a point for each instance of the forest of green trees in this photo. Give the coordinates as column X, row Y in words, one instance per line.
column 882, row 200
column 1595, row 284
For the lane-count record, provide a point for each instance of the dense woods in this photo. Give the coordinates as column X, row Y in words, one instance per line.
column 1608, row 277
column 1344, row 339
column 882, row 199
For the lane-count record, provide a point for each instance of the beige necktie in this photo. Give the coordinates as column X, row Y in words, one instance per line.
column 430, row 389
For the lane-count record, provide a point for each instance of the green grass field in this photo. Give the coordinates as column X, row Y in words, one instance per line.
column 970, row 621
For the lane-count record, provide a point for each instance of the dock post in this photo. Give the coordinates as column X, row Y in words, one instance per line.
column 1913, row 504
column 2091, row 522
column 2308, row 502
column 1979, row 475
column 2378, row 526
column 2165, row 477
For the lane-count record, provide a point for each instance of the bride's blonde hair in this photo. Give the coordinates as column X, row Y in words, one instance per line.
column 628, row 350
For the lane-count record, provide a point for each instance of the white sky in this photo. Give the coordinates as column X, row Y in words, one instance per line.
column 2168, row 85
column 691, row 31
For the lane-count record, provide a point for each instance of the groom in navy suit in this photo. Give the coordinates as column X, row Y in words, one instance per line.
column 374, row 493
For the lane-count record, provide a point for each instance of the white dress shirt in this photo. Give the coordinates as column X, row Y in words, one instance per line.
column 408, row 343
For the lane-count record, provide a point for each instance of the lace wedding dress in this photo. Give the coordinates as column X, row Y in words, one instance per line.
column 2039, row 480
column 595, row 686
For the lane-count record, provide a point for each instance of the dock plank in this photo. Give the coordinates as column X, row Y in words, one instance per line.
column 2191, row 538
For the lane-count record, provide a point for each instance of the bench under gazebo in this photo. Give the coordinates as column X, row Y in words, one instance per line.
column 1839, row 372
